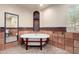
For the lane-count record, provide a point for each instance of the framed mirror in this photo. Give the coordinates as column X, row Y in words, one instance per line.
column 11, row 27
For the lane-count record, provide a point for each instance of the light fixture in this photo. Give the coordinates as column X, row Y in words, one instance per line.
column 41, row 4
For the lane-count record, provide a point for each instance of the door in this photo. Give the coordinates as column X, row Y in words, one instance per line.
column 11, row 27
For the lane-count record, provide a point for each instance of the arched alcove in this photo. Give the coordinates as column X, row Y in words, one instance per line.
column 36, row 21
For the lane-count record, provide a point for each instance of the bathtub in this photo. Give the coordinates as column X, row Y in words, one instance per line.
column 35, row 39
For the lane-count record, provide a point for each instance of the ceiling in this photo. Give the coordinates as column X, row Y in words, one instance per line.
column 35, row 6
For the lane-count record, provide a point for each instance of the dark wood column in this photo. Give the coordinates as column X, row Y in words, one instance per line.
column 26, row 43
column 40, row 43
column 47, row 40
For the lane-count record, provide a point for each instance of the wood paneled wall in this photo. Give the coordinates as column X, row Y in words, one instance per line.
column 60, row 38
column 1, row 40
column 67, row 41
column 76, row 42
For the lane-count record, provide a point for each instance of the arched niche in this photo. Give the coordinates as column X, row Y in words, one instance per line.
column 36, row 21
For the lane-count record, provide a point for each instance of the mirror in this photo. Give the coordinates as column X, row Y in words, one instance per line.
column 11, row 27
column 11, row 20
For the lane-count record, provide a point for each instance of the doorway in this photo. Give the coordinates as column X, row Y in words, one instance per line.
column 11, row 27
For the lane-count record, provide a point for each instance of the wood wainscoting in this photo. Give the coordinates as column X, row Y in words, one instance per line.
column 8, row 45
column 76, row 43
column 58, row 37
column 69, row 41
column 1, row 38
column 63, row 40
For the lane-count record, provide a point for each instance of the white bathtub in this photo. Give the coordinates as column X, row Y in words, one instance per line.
column 35, row 37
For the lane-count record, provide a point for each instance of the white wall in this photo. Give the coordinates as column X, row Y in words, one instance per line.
column 54, row 16
column 25, row 15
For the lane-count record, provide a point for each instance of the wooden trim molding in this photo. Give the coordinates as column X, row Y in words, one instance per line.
column 62, row 29
column 1, row 29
